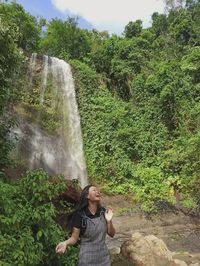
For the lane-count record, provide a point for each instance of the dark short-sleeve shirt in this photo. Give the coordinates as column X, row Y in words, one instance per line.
column 78, row 217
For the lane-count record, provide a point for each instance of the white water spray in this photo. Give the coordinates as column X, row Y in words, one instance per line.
column 44, row 78
column 62, row 151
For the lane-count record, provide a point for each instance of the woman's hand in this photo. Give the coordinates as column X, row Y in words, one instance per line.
column 61, row 247
column 109, row 214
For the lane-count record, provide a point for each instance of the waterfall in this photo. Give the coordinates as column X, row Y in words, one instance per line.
column 62, row 150
column 44, row 78
column 71, row 120
column 32, row 68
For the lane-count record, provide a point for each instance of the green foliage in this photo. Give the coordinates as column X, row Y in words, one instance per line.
column 18, row 30
column 190, row 64
column 27, row 27
column 138, row 97
column 181, row 27
column 115, row 137
column 65, row 40
column 133, row 29
column 9, row 60
column 106, row 118
column 41, row 104
column 5, row 143
column 159, row 23
column 143, row 108
column 151, row 188
column 29, row 232
column 102, row 56
column 10, row 63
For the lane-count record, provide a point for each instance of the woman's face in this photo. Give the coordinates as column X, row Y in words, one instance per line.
column 93, row 194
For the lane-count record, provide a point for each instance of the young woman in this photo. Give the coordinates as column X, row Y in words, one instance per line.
column 90, row 222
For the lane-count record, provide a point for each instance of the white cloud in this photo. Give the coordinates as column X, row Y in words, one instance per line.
column 111, row 15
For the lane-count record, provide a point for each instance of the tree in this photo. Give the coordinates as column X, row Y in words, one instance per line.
column 181, row 26
column 29, row 232
column 26, row 25
column 10, row 62
column 159, row 23
column 191, row 64
column 133, row 29
column 65, row 40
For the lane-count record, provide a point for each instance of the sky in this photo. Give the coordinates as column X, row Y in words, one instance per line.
column 110, row 15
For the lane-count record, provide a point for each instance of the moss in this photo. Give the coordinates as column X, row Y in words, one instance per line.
column 45, row 117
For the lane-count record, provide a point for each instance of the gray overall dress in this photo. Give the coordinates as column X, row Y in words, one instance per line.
column 93, row 249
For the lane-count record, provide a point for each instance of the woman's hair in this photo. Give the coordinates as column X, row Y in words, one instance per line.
column 81, row 205
column 83, row 201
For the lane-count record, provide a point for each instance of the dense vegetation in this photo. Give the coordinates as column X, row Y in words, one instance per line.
column 139, row 102
column 29, row 232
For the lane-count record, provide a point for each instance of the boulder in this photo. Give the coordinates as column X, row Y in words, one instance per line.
column 148, row 251
column 180, row 262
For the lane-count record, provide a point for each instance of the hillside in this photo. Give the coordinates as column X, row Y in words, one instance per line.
column 138, row 98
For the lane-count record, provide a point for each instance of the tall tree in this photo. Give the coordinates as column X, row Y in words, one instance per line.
column 10, row 59
column 65, row 39
column 133, row 29
column 26, row 25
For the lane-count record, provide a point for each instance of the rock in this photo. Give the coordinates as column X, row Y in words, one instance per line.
column 115, row 250
column 72, row 192
column 180, row 263
column 116, row 257
column 195, row 264
column 147, row 251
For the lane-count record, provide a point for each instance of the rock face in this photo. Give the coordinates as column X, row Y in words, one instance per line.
column 72, row 193
column 48, row 131
column 147, row 251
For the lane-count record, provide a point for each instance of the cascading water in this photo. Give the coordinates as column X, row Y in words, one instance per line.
column 44, row 78
column 32, row 68
column 60, row 152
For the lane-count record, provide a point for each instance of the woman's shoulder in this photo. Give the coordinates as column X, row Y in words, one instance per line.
column 76, row 219
column 79, row 214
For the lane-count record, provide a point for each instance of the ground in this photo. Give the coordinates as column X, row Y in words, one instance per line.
column 179, row 231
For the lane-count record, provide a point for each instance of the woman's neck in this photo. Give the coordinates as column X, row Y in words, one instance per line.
column 92, row 206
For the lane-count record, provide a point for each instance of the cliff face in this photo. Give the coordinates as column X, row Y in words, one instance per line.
column 48, row 133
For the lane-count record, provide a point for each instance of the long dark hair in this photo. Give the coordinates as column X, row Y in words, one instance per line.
column 83, row 201
column 81, row 205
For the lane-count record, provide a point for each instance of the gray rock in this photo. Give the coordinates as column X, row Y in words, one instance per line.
column 180, row 262
column 148, row 251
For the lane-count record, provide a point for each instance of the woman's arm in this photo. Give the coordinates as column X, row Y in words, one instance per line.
column 110, row 227
column 61, row 247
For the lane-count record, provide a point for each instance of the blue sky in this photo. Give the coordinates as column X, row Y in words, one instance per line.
column 46, row 9
column 111, row 15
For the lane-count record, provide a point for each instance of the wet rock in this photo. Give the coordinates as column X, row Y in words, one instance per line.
column 72, row 192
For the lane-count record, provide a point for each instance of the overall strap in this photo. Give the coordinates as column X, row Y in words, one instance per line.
column 102, row 212
column 83, row 220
